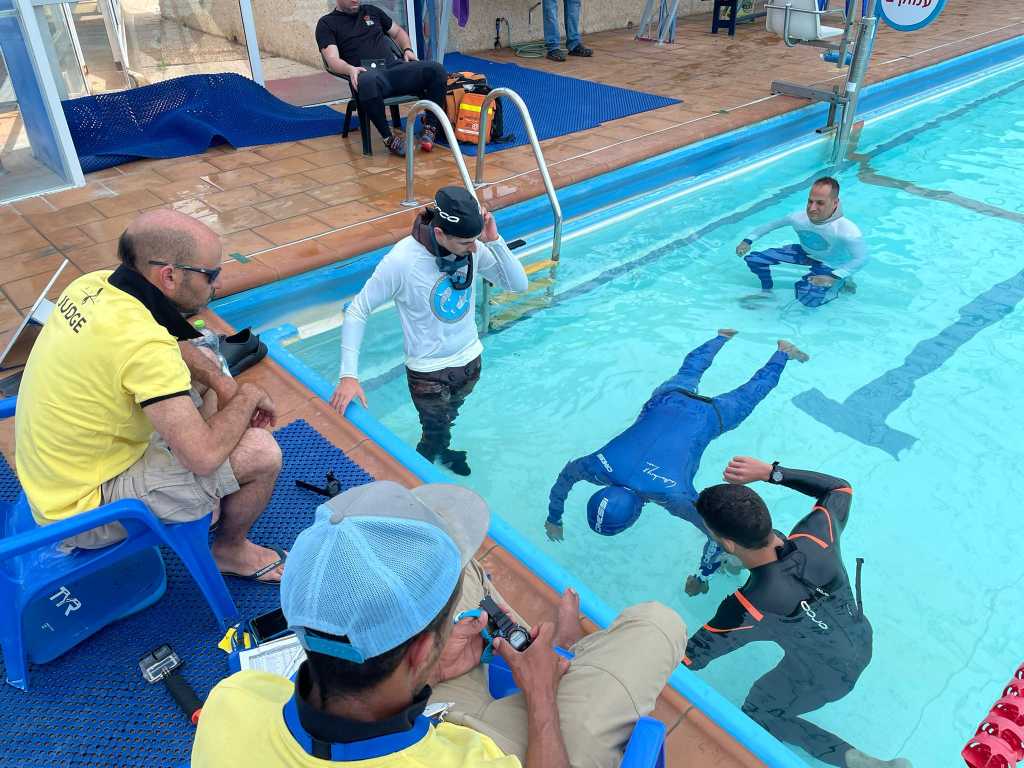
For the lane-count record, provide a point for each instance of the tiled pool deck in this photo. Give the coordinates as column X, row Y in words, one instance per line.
column 287, row 208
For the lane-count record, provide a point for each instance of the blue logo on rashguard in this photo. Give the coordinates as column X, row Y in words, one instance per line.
column 448, row 304
column 812, row 241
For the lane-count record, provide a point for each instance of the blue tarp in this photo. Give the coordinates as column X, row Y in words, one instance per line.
column 558, row 104
column 185, row 116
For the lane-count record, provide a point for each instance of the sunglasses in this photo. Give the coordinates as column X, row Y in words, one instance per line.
column 211, row 274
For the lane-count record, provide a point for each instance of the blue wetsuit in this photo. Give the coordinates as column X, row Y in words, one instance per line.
column 658, row 456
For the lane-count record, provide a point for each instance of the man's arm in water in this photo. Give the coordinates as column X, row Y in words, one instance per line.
column 857, row 250
column 732, row 627
column 586, row 468
column 744, row 247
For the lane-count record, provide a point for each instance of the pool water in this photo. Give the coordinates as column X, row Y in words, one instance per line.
column 928, row 352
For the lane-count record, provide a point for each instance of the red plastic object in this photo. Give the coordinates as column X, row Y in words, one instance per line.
column 1010, row 707
column 985, row 751
column 1007, row 730
column 1014, row 688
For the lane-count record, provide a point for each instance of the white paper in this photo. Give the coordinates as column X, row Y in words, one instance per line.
column 279, row 657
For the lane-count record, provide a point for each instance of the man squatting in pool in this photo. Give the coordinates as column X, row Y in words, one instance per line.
column 798, row 596
column 830, row 244
column 657, row 457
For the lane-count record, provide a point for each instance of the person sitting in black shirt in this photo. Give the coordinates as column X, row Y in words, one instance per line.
column 354, row 35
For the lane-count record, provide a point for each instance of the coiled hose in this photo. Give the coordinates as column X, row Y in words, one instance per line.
column 535, row 49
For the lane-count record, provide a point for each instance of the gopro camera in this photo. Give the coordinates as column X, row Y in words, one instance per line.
column 499, row 624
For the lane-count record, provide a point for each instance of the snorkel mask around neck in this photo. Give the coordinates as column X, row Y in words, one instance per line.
column 451, row 264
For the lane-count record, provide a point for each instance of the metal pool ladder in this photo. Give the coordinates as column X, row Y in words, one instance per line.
column 545, row 284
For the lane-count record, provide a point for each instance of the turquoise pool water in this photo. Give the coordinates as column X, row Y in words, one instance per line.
column 926, row 356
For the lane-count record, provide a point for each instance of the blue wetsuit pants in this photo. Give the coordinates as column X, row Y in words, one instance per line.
column 808, row 294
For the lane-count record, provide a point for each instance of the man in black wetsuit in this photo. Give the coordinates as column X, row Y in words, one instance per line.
column 799, row 596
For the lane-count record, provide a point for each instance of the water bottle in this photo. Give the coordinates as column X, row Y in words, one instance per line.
column 210, row 341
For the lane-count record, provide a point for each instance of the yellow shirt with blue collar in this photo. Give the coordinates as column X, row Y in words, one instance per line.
column 257, row 720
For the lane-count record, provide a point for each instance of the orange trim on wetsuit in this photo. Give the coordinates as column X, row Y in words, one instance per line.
column 749, row 606
column 709, row 628
column 813, row 538
column 828, row 516
column 844, row 489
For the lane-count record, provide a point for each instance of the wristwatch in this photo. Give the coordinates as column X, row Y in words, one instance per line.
column 410, row 50
column 775, row 476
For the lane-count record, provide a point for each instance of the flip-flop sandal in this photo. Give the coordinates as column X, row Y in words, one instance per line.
column 257, row 575
column 241, row 364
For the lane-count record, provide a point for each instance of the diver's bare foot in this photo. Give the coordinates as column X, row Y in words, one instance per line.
column 792, row 352
column 568, row 628
column 727, row 332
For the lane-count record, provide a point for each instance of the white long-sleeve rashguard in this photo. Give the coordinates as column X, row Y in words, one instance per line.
column 837, row 242
column 438, row 322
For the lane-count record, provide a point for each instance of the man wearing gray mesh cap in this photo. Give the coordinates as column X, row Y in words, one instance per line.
column 372, row 590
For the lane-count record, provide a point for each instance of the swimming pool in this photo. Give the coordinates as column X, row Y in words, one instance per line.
column 908, row 395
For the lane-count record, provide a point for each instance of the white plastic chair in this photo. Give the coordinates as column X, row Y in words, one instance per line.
column 799, row 21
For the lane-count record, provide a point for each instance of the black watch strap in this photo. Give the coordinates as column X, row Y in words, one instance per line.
column 775, row 476
column 408, row 49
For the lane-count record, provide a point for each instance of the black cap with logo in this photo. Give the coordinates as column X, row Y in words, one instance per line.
column 458, row 213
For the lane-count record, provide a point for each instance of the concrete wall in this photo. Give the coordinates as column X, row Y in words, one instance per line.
column 285, row 27
column 595, row 16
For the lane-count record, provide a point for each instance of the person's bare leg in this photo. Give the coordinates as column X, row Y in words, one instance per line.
column 256, row 463
column 568, row 628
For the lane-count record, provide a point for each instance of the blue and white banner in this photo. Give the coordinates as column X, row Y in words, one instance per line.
column 909, row 15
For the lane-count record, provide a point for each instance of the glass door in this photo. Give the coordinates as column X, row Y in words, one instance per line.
column 36, row 151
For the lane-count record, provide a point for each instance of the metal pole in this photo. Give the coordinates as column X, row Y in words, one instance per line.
column 858, row 69
column 252, row 45
column 442, row 118
column 481, row 149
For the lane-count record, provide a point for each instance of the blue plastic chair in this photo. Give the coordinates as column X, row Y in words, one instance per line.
column 646, row 745
column 51, row 599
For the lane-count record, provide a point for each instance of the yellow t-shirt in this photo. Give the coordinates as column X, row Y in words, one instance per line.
column 98, row 360
column 242, row 725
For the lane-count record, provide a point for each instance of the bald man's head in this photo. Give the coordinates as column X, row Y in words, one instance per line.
column 162, row 245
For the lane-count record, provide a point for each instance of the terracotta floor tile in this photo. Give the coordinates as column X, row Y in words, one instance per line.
column 687, row 745
column 718, row 743
column 183, row 190
column 283, row 150
column 234, row 221
column 68, row 217
column 287, row 207
column 229, row 161
column 527, row 595
column 9, row 316
column 236, row 198
column 23, row 293
column 33, row 205
column 93, row 257
column 126, row 203
column 68, row 238
column 295, row 258
column 345, row 214
column 183, row 170
column 328, row 157
column 333, row 174
column 290, row 230
column 237, row 276
column 243, row 177
column 92, row 191
column 340, row 192
column 22, row 241
column 288, row 185
column 327, row 142
column 147, row 180
column 243, row 243
column 11, row 220
column 43, row 260
column 108, row 229
column 286, row 167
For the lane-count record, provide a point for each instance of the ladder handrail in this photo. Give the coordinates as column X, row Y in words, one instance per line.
column 481, row 149
column 429, row 106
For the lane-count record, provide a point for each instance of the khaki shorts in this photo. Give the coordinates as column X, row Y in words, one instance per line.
column 172, row 493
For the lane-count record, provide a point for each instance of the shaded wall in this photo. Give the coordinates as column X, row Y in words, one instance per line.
column 285, row 27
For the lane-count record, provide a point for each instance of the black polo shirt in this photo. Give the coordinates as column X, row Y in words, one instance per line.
column 359, row 36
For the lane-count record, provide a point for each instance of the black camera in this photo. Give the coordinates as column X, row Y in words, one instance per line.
column 499, row 624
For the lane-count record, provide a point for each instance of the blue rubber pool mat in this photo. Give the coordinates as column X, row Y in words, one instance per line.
column 91, row 706
column 558, row 104
column 185, row 116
